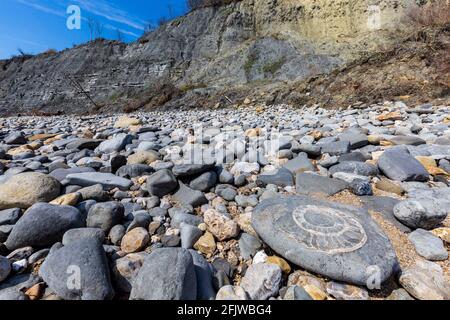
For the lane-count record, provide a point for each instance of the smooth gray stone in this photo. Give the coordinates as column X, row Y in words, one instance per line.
column 249, row 245
column 167, row 274
column 246, row 201
column 361, row 187
column 384, row 206
column 355, row 167
column 185, row 170
column 337, row 241
column 42, row 225
column 141, row 220
column 421, row 213
column 81, row 144
column 187, row 196
column 134, row 170
column 189, row 235
column 282, row 178
column 5, row 268
column 13, row 288
column 95, row 192
column 397, row 164
column 107, row 180
column 226, row 177
column 335, row 148
column 299, row 164
column 311, row 183
column 311, row 149
column 10, row 216
column 179, row 218
column 5, row 230
column 83, row 233
column 227, row 192
column 115, row 144
column 204, row 275
column 105, row 215
column 407, row 140
column 204, row 182
column 428, row 245
column 296, row 293
column 161, row 183
column 116, row 234
column 356, row 140
column 354, row 156
column 15, row 138
column 78, row 271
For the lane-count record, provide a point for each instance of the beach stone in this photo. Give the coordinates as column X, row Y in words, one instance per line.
column 299, row 164
column 167, row 274
column 220, row 226
column 5, row 268
column 83, row 233
column 115, row 144
column 70, row 199
column 248, row 245
column 107, row 180
column 189, row 235
column 25, row 189
column 425, row 281
column 13, row 288
column 307, row 183
column 42, row 225
column 442, row 233
column 135, row 240
column 428, row 246
column 134, row 170
column 385, row 207
column 204, row 182
column 83, row 265
column 356, row 140
column 355, row 167
column 226, row 191
column 126, row 122
column 187, row 196
column 61, row 174
column 361, row 187
column 204, row 275
column 15, row 138
column 116, row 234
column 406, row 140
column 420, row 213
column 126, row 269
column 296, row 293
column 389, row 186
column 338, row 241
column 143, row 157
column 342, row 291
column 231, row 293
column 161, row 183
column 399, row 294
column 105, row 215
column 397, row 164
column 283, row 264
column 262, row 281
column 281, row 177
column 186, row 170
column 336, row 148
column 10, row 216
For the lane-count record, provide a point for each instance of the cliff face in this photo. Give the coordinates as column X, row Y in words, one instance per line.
column 249, row 42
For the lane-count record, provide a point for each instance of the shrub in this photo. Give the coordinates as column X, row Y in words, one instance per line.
column 430, row 13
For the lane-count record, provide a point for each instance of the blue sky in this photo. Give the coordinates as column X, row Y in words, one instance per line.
column 38, row 25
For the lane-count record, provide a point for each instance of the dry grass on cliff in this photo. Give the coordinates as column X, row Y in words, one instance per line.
column 433, row 14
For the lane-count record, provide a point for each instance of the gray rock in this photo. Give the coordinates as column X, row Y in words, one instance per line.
column 115, row 144
column 105, row 215
column 335, row 148
column 231, row 293
column 78, row 271
column 83, row 233
column 296, row 293
column 299, row 164
column 249, row 245
column 356, row 140
column 187, row 196
column 116, row 234
column 420, row 213
column 334, row 240
column 15, row 138
column 407, row 140
column 10, row 216
column 185, row 170
column 384, row 206
column 189, row 235
column 81, row 144
column 95, row 192
column 226, row 177
column 246, row 201
column 204, row 275
column 141, row 220
column 361, row 187
column 167, row 274
column 262, row 281
column 226, row 191
column 354, row 156
column 107, row 180
column 126, row 269
column 180, row 217
column 13, row 288
column 5, row 268
column 311, row 183
column 204, row 182
column 428, row 246
column 355, row 167
column 161, row 183
column 397, row 164
column 282, row 177
column 134, row 170
column 43, row 225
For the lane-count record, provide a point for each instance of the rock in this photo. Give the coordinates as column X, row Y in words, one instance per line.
column 143, row 157
column 78, row 271
column 189, row 235
column 186, row 170
column 135, row 240
column 425, row 281
column 311, row 183
column 5, row 268
column 399, row 294
column 206, row 244
column 43, row 225
column 187, row 218
column 204, row 275
column 284, row 266
column 338, row 241
column 406, row 140
column 25, row 189
column 14, row 287
column 95, row 192
column 161, row 183
column 116, row 234
column 226, row 191
column 105, row 215
column 342, row 291
column 282, row 178
column 107, row 180
column 442, row 233
column 81, row 144
column 126, row 269
column 134, row 170
column 10, row 216
column 15, row 138
column 187, row 196
column 361, row 187
column 421, row 213
column 231, row 293
column 249, row 245
column 358, row 168
column 115, row 144
column 70, row 199
column 428, row 246
column 336, row 148
column 204, row 182
column 262, row 281
column 167, row 274
column 245, row 168
column 356, row 140
column 220, row 226
column 431, row 166
column 299, row 164
column 397, row 164
column 127, row 122
column 83, row 233
column 296, row 293
column 385, row 207
column 389, row 186
column 61, row 174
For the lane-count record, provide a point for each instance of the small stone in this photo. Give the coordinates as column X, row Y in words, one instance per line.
column 36, row 291
column 428, row 246
column 397, row 164
column 262, row 281
column 107, row 180
column 442, row 233
column 423, row 213
column 135, row 240
column 116, row 234
column 431, row 166
column 83, row 233
column 206, row 244
column 231, row 293
column 220, row 226
column 282, row 177
column 248, row 245
column 296, row 293
column 105, row 215
column 143, row 157
column 126, row 269
column 341, row 291
column 127, row 122
column 283, row 264
column 70, row 199
column 315, row 292
column 189, row 235
column 312, row 183
column 5, row 268
column 187, row 196
column 389, row 186
column 399, row 294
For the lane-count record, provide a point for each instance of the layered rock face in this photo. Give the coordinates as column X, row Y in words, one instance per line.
column 263, row 41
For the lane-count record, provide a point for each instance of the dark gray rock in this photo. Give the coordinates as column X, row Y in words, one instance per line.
column 335, row 148
column 282, row 178
column 105, row 215
column 204, row 275
column 189, row 235
column 78, row 271
column 13, row 288
column 361, row 187
column 187, row 196
column 356, row 140
column 338, row 241
column 5, row 268
column 227, row 192
column 353, row 156
column 384, row 206
column 134, row 170
column 61, row 174
column 204, row 182
column 15, row 138
column 428, row 245
column 116, row 234
column 179, row 218
column 249, row 245
column 80, row 144
column 161, row 183
column 296, row 293
column 421, row 213
column 299, row 164
column 407, row 140
column 355, row 167
column 83, row 233
column 107, row 180
column 141, row 220
column 311, row 183
column 10, row 216
column 185, row 170
column 95, row 192
column 397, row 164
column 167, row 274
column 43, row 225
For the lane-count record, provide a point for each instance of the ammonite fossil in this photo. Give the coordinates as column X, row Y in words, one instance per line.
column 323, row 229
